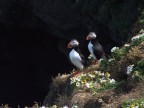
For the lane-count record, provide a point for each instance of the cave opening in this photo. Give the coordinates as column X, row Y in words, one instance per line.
column 29, row 60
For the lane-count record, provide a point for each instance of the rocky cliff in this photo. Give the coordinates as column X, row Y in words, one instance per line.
column 34, row 35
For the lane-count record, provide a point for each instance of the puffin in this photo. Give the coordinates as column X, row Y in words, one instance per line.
column 95, row 49
column 75, row 55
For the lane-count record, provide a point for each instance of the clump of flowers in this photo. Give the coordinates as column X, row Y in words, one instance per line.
column 114, row 49
column 92, row 80
column 103, row 63
column 111, row 60
column 127, row 45
column 134, row 103
column 55, row 106
column 117, row 53
column 130, row 69
column 136, row 40
column 100, row 100
column 135, row 72
column 74, row 106
column 65, row 106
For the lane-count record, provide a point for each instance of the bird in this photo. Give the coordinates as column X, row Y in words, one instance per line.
column 95, row 49
column 75, row 55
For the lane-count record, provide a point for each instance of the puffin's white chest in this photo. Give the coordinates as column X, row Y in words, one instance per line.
column 90, row 48
column 76, row 59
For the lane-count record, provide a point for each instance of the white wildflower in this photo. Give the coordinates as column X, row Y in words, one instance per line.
column 101, row 74
column 114, row 48
column 91, row 75
column 94, row 93
column 100, row 60
column 77, row 84
column 54, row 106
column 141, row 31
column 127, row 45
column 65, row 106
column 74, row 106
column 43, row 107
column 135, row 38
column 84, row 75
column 136, row 107
column 142, row 35
column 100, row 100
column 129, row 69
column 95, row 72
column 73, row 80
column 89, row 85
column 78, row 78
column 112, row 81
column 142, row 104
column 111, row 59
column 103, row 81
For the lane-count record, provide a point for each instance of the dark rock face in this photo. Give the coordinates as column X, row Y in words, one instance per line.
column 34, row 35
column 111, row 20
column 28, row 60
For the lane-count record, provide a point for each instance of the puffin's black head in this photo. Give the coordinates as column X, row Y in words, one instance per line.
column 91, row 36
column 73, row 43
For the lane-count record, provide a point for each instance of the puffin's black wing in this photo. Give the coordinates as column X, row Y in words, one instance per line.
column 98, row 51
column 84, row 61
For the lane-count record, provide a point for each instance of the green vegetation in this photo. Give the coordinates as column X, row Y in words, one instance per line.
column 116, row 79
column 133, row 103
column 103, row 82
column 98, row 85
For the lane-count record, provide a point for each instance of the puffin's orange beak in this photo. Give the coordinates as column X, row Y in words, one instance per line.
column 87, row 38
column 69, row 45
